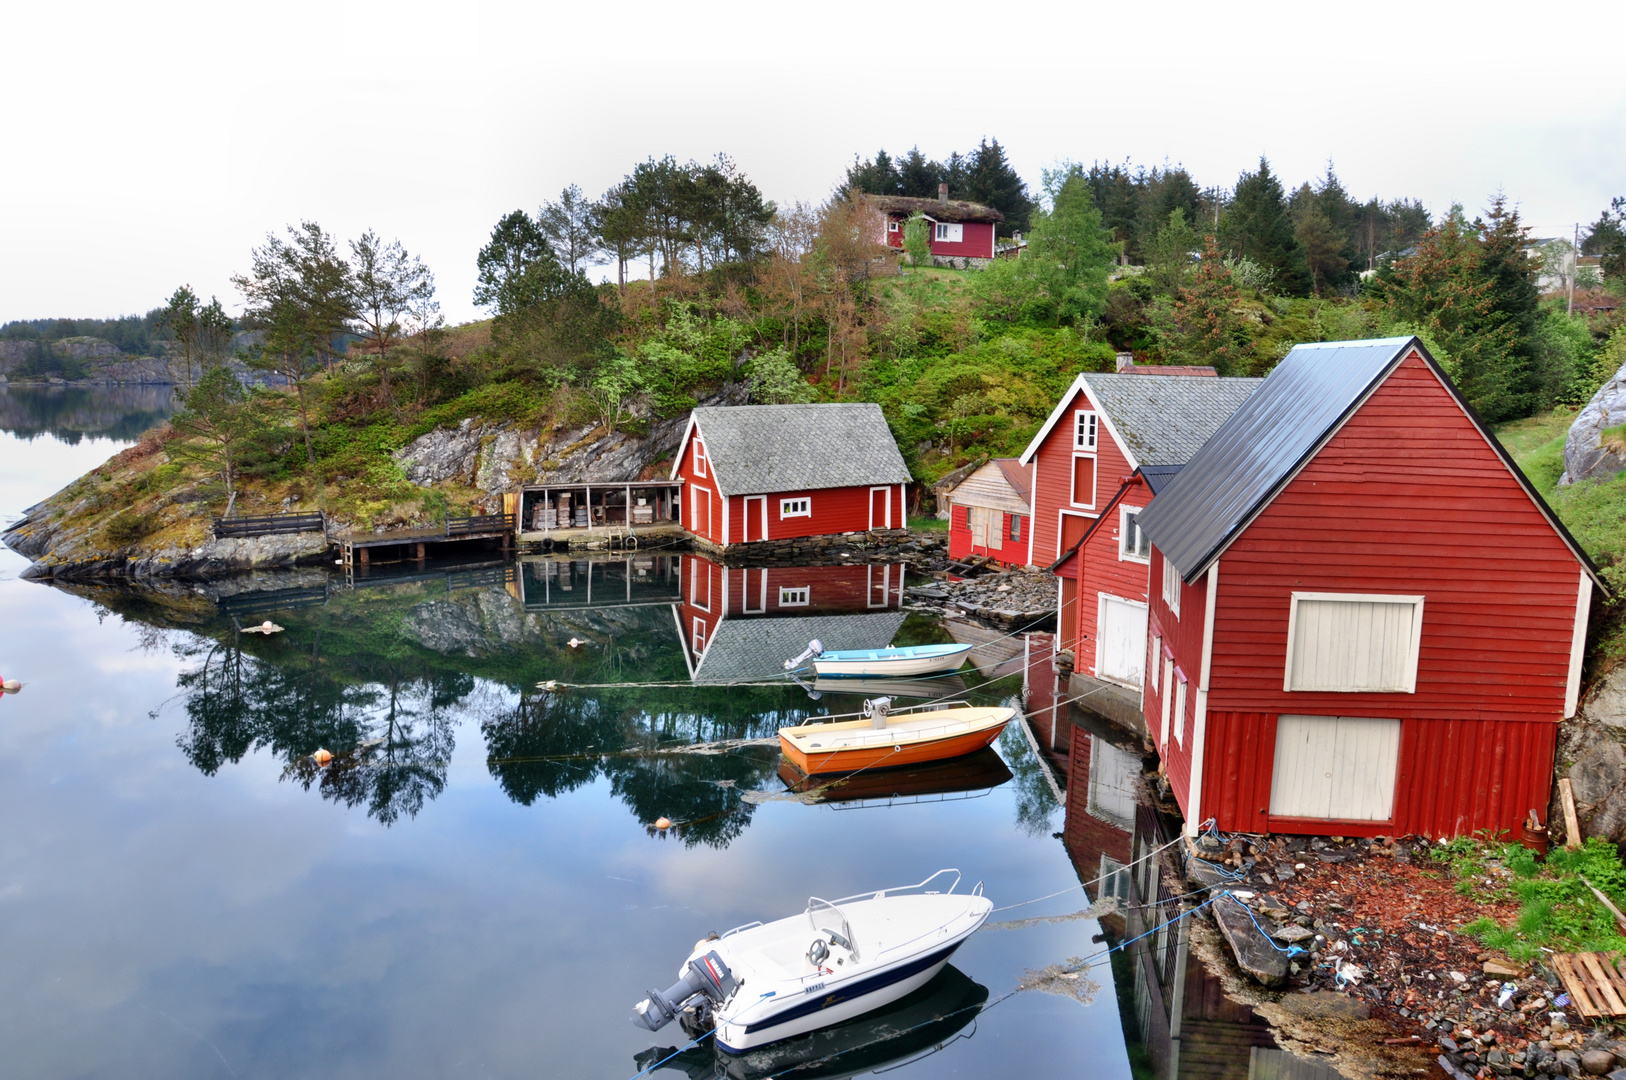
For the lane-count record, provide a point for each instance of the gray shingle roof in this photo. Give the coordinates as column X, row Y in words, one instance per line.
column 757, row 449
column 1163, row 419
column 751, row 650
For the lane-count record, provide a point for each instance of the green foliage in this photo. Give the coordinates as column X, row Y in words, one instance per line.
column 130, row 527
column 1070, row 252
column 983, row 176
column 1557, row 910
column 776, row 380
column 1258, row 226
column 915, row 241
column 692, row 351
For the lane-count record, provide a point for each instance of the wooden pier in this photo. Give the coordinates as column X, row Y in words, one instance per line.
column 361, row 550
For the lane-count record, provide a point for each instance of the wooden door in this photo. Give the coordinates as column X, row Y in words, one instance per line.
column 880, row 508
column 700, row 512
column 1121, row 644
column 1338, row 768
column 1073, row 528
column 756, row 518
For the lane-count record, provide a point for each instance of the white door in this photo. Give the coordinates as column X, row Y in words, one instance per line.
column 1121, row 644
column 1335, row 767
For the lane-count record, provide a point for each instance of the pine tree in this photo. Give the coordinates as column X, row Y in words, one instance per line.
column 992, row 182
column 1258, row 227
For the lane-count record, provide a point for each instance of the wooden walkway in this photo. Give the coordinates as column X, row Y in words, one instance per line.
column 356, row 549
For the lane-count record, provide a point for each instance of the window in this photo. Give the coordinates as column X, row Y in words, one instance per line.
column 948, row 233
column 699, row 459
column 1154, row 658
column 892, row 226
column 1084, row 481
column 789, row 508
column 795, row 597
column 1015, row 532
column 699, row 636
column 1084, row 431
column 1168, row 687
column 1180, row 709
column 1132, row 543
column 1353, row 642
column 1171, row 587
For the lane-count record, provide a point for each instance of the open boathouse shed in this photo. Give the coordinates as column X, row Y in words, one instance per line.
column 1363, row 618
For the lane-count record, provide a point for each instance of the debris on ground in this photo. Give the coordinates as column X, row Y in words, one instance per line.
column 1013, row 597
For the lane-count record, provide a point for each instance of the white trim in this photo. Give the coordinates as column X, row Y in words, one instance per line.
column 1583, row 608
column 745, row 592
column 795, row 595
column 1182, row 688
column 683, row 448
column 1061, row 514
column 1101, row 599
column 1164, row 697
column 726, row 501
column 1055, row 639
column 1095, row 480
column 1123, row 535
column 783, row 513
column 701, row 459
column 695, row 493
column 746, row 517
column 677, row 619
column 1199, row 734
column 1093, row 443
column 1355, row 598
column 1079, row 387
column 887, row 490
column 700, row 640
column 1154, row 657
column 1033, row 482
column 1172, row 602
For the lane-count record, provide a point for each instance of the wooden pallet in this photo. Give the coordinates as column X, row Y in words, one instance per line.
column 1596, row 987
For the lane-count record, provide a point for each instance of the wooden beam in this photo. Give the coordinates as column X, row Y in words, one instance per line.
column 1620, row 920
column 1572, row 826
column 1575, row 985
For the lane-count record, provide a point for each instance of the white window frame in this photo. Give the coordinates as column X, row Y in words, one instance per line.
column 795, row 595
column 1180, row 709
column 798, row 507
column 1154, row 660
column 1086, row 431
column 699, row 459
column 946, row 230
column 1171, row 587
column 1095, row 480
column 1410, row 686
column 892, row 225
column 699, row 639
column 1165, row 699
column 1013, row 529
column 1124, row 526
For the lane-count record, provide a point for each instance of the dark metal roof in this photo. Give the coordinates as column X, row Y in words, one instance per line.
column 1259, row 449
column 1158, row 476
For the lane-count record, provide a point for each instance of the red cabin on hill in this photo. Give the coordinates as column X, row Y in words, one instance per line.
column 1365, row 620
column 961, row 234
column 989, row 514
column 773, row 472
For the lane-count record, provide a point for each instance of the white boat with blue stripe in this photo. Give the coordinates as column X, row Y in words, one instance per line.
column 901, row 661
column 838, row 959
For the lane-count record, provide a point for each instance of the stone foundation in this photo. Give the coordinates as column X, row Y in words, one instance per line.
column 797, row 549
column 1109, row 700
column 960, row 262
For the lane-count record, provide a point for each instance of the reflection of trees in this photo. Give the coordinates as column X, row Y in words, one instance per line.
column 392, row 738
column 1035, row 799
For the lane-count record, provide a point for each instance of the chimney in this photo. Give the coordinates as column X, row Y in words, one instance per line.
column 942, row 195
column 1126, row 360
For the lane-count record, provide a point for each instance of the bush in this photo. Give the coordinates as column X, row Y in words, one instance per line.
column 130, row 528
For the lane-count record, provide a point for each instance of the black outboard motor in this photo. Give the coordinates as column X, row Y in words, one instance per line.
column 707, row 977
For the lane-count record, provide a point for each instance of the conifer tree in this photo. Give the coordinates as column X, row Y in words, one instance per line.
column 1258, row 227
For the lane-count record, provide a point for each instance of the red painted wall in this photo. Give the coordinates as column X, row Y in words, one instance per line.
column 689, row 473
column 1008, row 553
column 1407, row 498
column 1053, row 483
column 1103, row 571
column 835, row 510
column 977, row 239
column 1182, row 636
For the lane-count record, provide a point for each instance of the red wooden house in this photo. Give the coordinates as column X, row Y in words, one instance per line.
column 1365, row 619
column 1105, row 427
column 773, row 472
column 989, row 514
column 961, row 234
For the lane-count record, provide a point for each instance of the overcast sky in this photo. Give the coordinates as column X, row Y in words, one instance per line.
column 150, row 145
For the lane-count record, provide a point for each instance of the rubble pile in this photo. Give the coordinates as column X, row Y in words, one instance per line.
column 1377, row 920
column 1010, row 598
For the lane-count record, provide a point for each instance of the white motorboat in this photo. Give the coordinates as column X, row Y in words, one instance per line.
column 763, row 982
column 899, row 661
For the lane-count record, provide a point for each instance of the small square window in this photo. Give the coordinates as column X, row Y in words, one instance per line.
column 892, row 226
column 1084, row 431
column 789, row 508
column 800, row 596
column 699, row 460
column 1132, row 542
column 1016, row 526
column 942, row 231
column 1171, row 587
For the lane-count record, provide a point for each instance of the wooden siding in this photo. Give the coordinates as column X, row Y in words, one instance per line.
column 835, row 510
column 1053, row 479
column 1182, row 635
column 977, row 239
column 988, row 487
column 1001, row 548
column 1100, row 570
column 692, row 480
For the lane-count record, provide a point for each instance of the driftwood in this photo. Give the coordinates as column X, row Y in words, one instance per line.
column 1572, row 826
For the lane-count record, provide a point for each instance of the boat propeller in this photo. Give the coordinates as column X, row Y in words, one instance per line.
column 814, row 648
column 707, row 977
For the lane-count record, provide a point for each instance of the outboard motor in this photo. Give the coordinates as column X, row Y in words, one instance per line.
column 877, row 709
column 814, row 648
column 707, row 977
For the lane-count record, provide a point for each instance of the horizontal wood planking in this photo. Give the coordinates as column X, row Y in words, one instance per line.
column 713, row 529
column 1101, row 571
column 835, row 510
column 1053, row 483
column 1183, row 635
column 269, row 525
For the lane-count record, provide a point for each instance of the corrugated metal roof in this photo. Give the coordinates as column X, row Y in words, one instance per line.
column 1263, row 443
column 1017, row 476
column 752, row 650
column 1164, row 420
column 1158, row 476
column 756, row 449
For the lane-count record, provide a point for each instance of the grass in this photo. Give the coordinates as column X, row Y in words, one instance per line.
column 931, row 523
column 1556, row 909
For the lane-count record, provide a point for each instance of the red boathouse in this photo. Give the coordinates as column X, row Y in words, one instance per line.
column 752, row 473
column 989, row 514
column 1364, row 619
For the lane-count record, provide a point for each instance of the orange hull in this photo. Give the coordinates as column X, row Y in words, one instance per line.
column 864, row 757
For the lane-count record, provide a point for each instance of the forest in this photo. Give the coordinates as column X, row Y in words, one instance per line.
column 713, row 283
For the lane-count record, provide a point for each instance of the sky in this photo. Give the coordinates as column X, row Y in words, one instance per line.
column 153, row 145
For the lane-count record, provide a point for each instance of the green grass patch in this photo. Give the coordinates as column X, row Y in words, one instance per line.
column 1557, row 910
column 932, row 523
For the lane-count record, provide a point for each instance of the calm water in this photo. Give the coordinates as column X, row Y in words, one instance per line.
column 474, row 886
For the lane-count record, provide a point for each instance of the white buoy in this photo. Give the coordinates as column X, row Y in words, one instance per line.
column 663, row 823
column 575, row 643
column 10, row 686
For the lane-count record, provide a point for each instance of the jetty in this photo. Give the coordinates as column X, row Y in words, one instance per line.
column 363, row 550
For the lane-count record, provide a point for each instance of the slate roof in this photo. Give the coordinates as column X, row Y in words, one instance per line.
column 757, row 449
column 755, row 650
column 1157, row 478
column 1165, row 420
column 1258, row 450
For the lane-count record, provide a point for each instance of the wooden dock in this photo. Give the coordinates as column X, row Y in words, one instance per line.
column 614, row 537
column 357, row 550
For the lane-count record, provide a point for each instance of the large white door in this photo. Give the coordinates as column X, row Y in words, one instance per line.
column 1122, row 633
column 1335, row 767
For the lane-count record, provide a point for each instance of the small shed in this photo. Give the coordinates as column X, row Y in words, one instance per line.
column 989, row 513
column 961, row 234
column 1364, row 619
column 754, row 473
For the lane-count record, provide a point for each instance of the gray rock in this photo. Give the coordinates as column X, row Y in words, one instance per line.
column 1597, row 1062
column 1586, row 457
column 1598, row 771
column 1605, row 703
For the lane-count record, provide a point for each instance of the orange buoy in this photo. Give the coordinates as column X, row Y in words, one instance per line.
column 663, row 823
column 321, row 757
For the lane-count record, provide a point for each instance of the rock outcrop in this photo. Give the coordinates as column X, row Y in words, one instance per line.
column 1592, row 753
column 1589, row 454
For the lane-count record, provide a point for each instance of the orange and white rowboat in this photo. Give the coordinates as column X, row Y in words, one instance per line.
column 902, row 738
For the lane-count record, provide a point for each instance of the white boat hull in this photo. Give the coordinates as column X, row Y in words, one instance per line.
column 888, row 669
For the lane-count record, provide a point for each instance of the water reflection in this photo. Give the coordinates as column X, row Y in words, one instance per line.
column 910, row 1029
column 69, row 414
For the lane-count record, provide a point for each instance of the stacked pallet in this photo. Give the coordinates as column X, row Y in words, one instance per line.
column 1595, row 984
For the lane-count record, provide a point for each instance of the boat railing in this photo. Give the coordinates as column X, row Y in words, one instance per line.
column 919, row 887
column 815, row 904
column 938, row 706
column 740, row 929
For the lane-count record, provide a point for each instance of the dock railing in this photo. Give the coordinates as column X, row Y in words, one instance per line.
column 479, row 524
column 269, row 525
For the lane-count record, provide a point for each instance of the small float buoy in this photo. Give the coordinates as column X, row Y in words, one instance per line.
column 321, row 757
column 575, row 643
column 10, row 686
column 267, row 627
column 663, row 823
column 549, row 686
